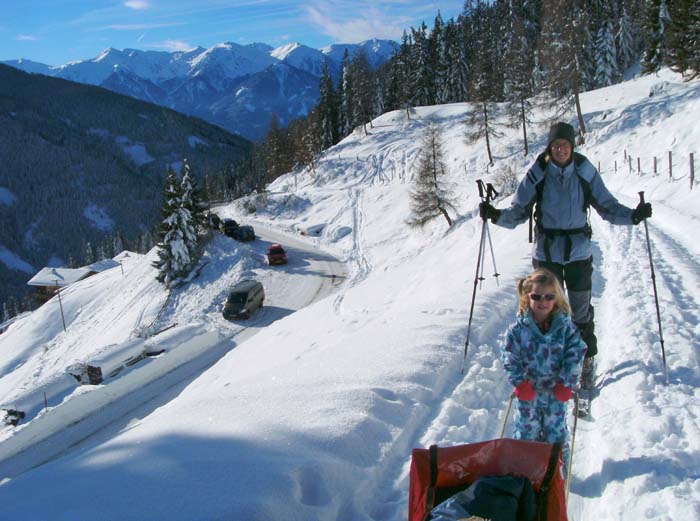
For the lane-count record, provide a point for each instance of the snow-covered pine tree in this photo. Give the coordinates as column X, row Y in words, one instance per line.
column 362, row 82
column 397, row 94
column 606, row 55
column 88, row 254
column 347, row 94
column 561, row 50
column 437, row 49
column 457, row 71
column 327, row 110
column 5, row 312
column 100, row 252
column 430, row 196
column 653, row 30
column 175, row 234
column 625, row 41
column 423, row 68
column 192, row 200
column 117, row 244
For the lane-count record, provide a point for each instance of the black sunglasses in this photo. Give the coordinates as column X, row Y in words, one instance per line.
column 548, row 297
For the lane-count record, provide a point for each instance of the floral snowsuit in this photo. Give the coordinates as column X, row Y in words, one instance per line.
column 544, row 359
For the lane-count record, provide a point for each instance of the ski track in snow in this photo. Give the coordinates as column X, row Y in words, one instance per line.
column 622, row 267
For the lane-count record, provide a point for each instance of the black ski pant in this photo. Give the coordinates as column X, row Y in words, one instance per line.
column 576, row 277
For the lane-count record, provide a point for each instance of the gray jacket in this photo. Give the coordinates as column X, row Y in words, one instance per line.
column 562, row 208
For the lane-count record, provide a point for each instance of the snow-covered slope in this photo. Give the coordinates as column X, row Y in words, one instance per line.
column 315, row 417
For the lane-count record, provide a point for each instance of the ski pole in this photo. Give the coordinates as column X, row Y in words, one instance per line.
column 480, row 184
column 505, row 420
column 571, row 451
column 656, row 295
column 493, row 257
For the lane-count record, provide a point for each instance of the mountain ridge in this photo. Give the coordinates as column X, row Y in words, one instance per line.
column 175, row 79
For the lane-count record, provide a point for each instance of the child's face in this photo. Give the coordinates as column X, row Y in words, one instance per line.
column 542, row 308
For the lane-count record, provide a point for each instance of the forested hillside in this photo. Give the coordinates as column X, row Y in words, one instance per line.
column 79, row 164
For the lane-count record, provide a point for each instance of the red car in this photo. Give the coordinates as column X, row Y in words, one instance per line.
column 276, row 255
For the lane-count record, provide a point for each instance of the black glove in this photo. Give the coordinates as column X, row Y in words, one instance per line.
column 486, row 211
column 641, row 212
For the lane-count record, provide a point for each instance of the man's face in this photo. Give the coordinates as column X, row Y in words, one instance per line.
column 561, row 151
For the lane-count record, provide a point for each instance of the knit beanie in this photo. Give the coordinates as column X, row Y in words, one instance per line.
column 562, row 131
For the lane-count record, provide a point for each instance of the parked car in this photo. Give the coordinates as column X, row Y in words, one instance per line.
column 276, row 255
column 245, row 297
column 228, row 227
column 244, row 233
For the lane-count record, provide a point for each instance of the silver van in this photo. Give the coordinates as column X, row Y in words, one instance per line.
column 244, row 299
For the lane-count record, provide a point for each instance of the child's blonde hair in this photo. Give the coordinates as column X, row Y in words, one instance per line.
column 545, row 278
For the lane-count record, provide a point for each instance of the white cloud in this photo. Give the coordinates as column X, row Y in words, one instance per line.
column 26, row 38
column 136, row 4
column 372, row 23
column 139, row 27
column 171, row 45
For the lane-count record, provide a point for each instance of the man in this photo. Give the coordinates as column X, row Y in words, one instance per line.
column 561, row 185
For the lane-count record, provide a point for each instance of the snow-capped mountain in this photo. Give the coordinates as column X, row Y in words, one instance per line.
column 202, row 81
column 377, row 51
column 300, row 56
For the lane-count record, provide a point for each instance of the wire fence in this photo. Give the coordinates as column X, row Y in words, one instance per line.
column 662, row 164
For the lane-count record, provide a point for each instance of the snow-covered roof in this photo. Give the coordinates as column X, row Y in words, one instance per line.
column 58, row 276
column 127, row 255
column 103, row 265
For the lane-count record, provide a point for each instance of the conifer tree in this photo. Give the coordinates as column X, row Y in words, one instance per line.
column 653, row 30
column 5, row 312
column 430, row 197
column 327, row 110
column 606, row 54
column 683, row 38
column 457, row 70
column 423, row 68
column 362, row 82
column 561, row 55
column 117, row 244
column 175, row 235
column 88, row 254
column 192, row 199
column 625, row 41
column 100, row 252
column 347, row 98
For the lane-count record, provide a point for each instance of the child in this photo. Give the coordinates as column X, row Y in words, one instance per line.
column 542, row 356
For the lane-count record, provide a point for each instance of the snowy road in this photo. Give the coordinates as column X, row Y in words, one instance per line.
column 310, row 276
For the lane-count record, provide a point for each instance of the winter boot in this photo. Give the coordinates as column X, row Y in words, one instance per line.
column 587, row 374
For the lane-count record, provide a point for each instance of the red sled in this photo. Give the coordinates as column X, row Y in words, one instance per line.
column 439, row 472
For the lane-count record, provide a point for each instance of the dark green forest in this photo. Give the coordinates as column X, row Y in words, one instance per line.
column 67, row 147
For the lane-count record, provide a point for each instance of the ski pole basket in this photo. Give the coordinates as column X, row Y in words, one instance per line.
column 438, row 473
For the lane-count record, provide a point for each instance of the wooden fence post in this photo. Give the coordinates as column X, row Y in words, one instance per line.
column 654, row 165
column 639, row 167
column 670, row 165
column 616, row 166
column 629, row 162
column 692, row 171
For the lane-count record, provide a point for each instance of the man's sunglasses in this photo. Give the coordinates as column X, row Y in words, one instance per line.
column 537, row 297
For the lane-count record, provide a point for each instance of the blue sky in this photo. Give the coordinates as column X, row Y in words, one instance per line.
column 59, row 31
